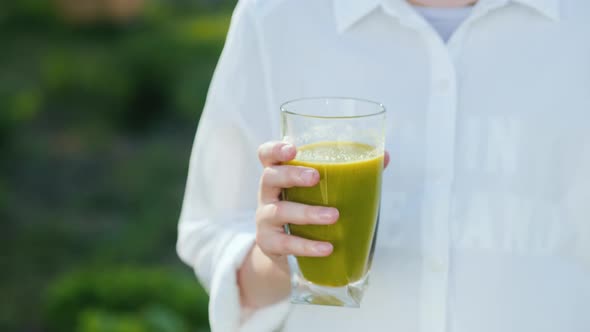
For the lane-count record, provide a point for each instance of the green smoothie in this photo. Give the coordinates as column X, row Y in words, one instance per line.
column 350, row 180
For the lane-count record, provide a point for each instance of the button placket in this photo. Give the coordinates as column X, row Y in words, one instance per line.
column 443, row 86
column 439, row 158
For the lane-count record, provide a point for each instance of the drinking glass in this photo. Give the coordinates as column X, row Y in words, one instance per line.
column 343, row 138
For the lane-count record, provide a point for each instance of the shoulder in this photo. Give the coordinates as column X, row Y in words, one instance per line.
column 260, row 5
column 272, row 8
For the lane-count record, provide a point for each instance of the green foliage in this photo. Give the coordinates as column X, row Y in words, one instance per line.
column 97, row 120
column 100, row 321
column 126, row 299
column 128, row 75
column 154, row 319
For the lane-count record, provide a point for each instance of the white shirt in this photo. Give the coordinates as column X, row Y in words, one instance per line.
column 445, row 20
column 485, row 221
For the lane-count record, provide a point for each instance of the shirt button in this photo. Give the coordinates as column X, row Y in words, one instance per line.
column 438, row 180
column 438, row 266
column 443, row 86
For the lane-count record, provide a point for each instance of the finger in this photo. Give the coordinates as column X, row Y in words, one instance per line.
column 272, row 153
column 283, row 212
column 280, row 244
column 386, row 159
column 275, row 178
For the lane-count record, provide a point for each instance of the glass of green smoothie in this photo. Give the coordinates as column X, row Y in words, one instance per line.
column 343, row 138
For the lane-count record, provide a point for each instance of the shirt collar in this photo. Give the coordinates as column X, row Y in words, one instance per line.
column 549, row 8
column 348, row 12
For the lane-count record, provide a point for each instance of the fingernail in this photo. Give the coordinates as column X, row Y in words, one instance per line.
column 327, row 214
column 308, row 175
column 287, row 150
column 322, row 248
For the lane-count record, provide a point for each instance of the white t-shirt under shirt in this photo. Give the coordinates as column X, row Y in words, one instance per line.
column 444, row 20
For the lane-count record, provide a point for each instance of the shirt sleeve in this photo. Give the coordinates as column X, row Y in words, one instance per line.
column 217, row 226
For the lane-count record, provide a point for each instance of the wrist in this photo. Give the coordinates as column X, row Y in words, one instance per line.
column 262, row 281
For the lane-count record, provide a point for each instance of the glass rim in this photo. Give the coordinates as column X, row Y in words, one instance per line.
column 380, row 107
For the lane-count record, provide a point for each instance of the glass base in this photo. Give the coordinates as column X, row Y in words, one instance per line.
column 306, row 292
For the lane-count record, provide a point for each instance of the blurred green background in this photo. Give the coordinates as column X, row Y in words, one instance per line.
column 99, row 103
